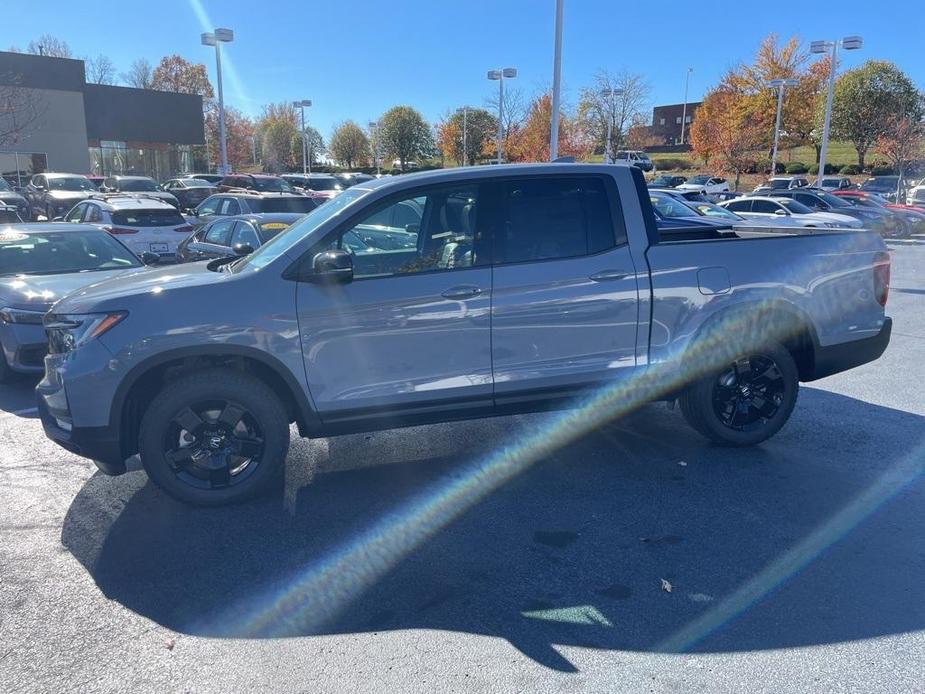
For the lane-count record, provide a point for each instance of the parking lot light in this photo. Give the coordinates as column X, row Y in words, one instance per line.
column 306, row 165
column 849, row 43
column 779, row 84
column 217, row 38
column 687, row 83
column 374, row 127
column 610, row 94
column 500, row 76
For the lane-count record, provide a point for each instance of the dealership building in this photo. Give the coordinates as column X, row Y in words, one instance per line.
column 54, row 120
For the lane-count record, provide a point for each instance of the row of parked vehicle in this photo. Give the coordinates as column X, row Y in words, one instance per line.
column 792, row 201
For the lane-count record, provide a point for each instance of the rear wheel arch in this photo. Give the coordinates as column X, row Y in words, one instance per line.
column 142, row 384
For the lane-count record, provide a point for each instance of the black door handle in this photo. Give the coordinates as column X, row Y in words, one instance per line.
column 609, row 275
column 461, row 292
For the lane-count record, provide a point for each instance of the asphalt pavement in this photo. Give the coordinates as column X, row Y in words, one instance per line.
column 637, row 558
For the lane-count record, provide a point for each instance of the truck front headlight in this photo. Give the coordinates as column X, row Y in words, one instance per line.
column 67, row 332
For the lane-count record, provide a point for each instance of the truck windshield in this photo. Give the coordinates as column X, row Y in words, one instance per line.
column 303, row 228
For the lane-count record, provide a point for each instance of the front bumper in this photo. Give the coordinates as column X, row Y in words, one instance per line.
column 847, row 355
column 24, row 346
column 99, row 444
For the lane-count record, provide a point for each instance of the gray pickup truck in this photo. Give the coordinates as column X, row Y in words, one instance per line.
column 529, row 287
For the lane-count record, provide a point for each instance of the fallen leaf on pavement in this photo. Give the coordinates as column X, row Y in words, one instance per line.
column 168, row 644
column 666, row 586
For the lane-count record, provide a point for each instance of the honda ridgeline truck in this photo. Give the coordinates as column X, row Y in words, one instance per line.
column 529, row 287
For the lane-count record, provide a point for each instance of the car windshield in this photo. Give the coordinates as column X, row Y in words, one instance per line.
column 297, row 232
column 195, row 183
column 708, row 209
column 831, row 182
column 58, row 253
column 833, row 200
column 668, row 206
column 881, row 184
column 270, row 229
column 4, row 185
column 794, row 206
column 665, row 181
column 287, row 204
column 323, row 184
column 69, row 183
column 137, row 185
column 778, row 183
column 272, row 185
column 699, row 180
column 148, row 218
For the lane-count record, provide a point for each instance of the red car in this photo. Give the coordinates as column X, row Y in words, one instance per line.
column 913, row 217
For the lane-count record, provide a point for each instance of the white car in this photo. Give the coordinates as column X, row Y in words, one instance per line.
column 145, row 224
column 708, row 185
column 765, row 209
column 916, row 196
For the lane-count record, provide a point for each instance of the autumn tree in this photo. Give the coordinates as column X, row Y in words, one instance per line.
column 513, row 115
column 50, row 46
column 532, row 142
column 314, row 145
column 140, row 75
column 176, row 74
column 727, row 130
column 867, row 98
column 239, row 134
column 100, row 70
column 901, row 142
column 349, row 145
column 277, row 127
column 597, row 112
column 405, row 135
column 481, row 129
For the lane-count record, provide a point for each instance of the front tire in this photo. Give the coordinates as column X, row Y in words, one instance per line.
column 215, row 437
column 746, row 402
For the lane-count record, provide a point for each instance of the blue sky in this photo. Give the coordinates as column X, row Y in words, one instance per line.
column 355, row 59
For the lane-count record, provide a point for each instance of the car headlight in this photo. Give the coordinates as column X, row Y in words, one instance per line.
column 20, row 315
column 67, row 332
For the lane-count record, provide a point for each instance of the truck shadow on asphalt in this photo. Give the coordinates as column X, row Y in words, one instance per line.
column 815, row 537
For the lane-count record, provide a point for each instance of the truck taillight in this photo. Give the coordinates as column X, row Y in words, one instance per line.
column 882, row 278
column 120, row 230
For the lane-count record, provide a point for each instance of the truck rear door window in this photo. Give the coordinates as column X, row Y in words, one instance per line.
column 554, row 218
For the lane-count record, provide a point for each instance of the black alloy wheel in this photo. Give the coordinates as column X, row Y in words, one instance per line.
column 213, row 444
column 747, row 395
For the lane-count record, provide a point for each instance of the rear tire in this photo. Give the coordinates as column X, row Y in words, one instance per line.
column 215, row 437
column 748, row 401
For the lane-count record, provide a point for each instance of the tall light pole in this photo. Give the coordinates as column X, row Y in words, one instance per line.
column 687, row 82
column 780, row 84
column 306, row 165
column 465, row 133
column 849, row 43
column 610, row 94
column 556, row 85
column 217, row 38
column 374, row 127
column 501, row 75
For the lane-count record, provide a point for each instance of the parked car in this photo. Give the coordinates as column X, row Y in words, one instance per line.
column 916, row 196
column 144, row 224
column 767, row 208
column 351, row 178
column 17, row 201
column 138, row 184
column 189, row 192
column 214, row 179
column 882, row 185
column 912, row 218
column 667, row 181
column 491, row 312
column 238, row 235
column 708, row 185
column 782, row 183
column 249, row 202
column 670, row 206
column 262, row 183
column 97, row 181
column 833, row 183
column 634, row 158
column 40, row 263
column 319, row 186
column 689, row 195
column 725, row 195
column 51, row 195
column 882, row 221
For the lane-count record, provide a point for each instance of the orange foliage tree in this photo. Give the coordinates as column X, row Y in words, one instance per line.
column 531, row 142
column 727, row 131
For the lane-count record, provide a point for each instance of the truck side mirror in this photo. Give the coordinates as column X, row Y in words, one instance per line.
column 334, row 266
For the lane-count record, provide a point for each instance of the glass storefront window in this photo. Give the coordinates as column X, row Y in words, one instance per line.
column 159, row 161
column 18, row 167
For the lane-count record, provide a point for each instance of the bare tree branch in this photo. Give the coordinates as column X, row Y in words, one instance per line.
column 139, row 75
column 50, row 46
column 100, row 70
column 20, row 108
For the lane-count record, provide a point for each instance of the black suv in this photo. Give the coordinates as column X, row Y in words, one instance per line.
column 54, row 194
column 137, row 184
column 250, row 202
column 262, row 183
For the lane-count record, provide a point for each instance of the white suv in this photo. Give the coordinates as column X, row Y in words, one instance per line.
column 638, row 159
column 144, row 224
column 916, row 196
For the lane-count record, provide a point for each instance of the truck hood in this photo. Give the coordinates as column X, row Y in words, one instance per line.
column 121, row 291
column 38, row 292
